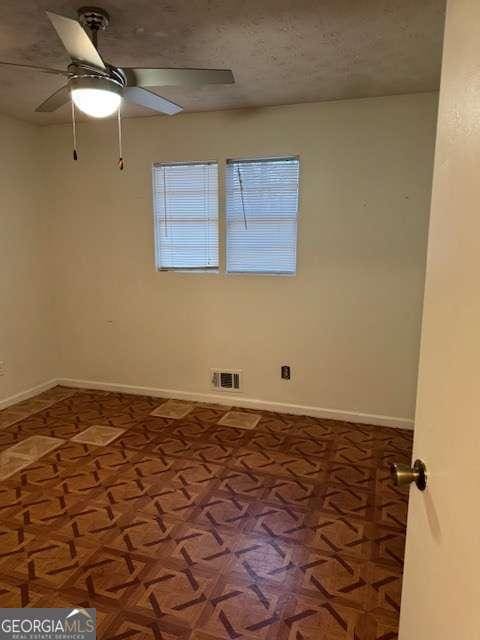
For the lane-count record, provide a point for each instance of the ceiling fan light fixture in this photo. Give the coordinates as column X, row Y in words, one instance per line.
column 96, row 96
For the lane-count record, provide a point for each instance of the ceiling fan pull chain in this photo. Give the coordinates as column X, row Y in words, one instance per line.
column 74, row 128
column 120, row 151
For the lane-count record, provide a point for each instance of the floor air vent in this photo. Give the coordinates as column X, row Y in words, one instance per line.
column 226, row 380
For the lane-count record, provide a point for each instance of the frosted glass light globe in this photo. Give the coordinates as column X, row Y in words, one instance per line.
column 98, row 103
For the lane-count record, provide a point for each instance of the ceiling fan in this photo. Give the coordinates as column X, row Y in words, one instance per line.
column 96, row 87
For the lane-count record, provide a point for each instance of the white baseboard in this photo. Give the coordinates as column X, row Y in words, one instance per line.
column 219, row 398
column 28, row 393
column 239, row 401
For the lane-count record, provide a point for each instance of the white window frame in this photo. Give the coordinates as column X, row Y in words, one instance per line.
column 222, row 218
column 281, row 274
column 204, row 269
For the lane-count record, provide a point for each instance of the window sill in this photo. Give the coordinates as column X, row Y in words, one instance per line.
column 214, row 271
column 275, row 274
column 280, row 274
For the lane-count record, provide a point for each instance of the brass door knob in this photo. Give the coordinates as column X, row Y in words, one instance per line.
column 403, row 474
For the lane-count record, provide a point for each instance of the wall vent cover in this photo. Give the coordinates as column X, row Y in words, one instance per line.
column 226, row 379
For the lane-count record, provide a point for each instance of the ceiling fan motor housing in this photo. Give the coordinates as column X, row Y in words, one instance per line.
column 96, row 82
column 81, row 70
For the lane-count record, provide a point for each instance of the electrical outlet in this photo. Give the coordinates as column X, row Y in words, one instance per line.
column 3, row 368
column 285, row 372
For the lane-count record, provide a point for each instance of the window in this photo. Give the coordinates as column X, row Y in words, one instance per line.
column 262, row 208
column 185, row 199
column 261, row 215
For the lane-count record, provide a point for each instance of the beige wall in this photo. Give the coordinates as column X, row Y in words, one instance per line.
column 348, row 323
column 26, row 331
column 76, row 245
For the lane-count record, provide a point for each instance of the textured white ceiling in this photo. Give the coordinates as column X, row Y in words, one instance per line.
column 281, row 51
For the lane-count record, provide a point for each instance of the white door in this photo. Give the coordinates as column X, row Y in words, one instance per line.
column 441, row 592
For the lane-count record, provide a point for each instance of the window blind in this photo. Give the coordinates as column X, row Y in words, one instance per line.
column 185, row 198
column 262, row 210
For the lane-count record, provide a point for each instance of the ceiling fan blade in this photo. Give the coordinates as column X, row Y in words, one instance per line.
column 148, row 99
column 176, row 77
column 56, row 100
column 56, row 72
column 75, row 40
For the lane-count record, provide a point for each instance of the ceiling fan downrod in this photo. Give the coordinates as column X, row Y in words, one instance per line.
column 94, row 19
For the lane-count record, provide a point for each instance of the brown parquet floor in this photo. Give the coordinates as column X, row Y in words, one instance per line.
column 187, row 529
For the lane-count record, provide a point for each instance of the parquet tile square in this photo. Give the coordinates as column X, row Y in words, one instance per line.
column 152, row 537
column 139, row 437
column 353, row 476
column 310, row 428
column 115, row 459
column 168, row 499
column 98, row 435
column 389, row 546
column 11, row 499
column 47, row 510
column 355, row 454
column 180, row 594
column 11, row 415
column 134, row 627
column 184, row 528
column 46, row 562
column 347, row 502
column 94, row 525
column 73, row 454
column 218, row 510
column 81, row 480
column 173, row 445
column 208, row 548
column 19, row 594
column 108, row 576
column 244, row 610
column 246, row 483
column 305, row 616
column 239, row 420
column 9, row 438
column 391, row 512
column 227, row 435
column 283, row 523
column 261, row 440
column 333, row 534
column 11, row 463
column 281, row 464
column 121, row 493
column 36, row 446
column 13, row 541
column 191, row 428
column 105, row 617
column 308, row 447
column 208, row 412
column 37, row 475
column 285, row 492
column 194, row 472
column 276, row 424
column 174, row 409
column 212, row 453
column 269, row 560
column 356, row 582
